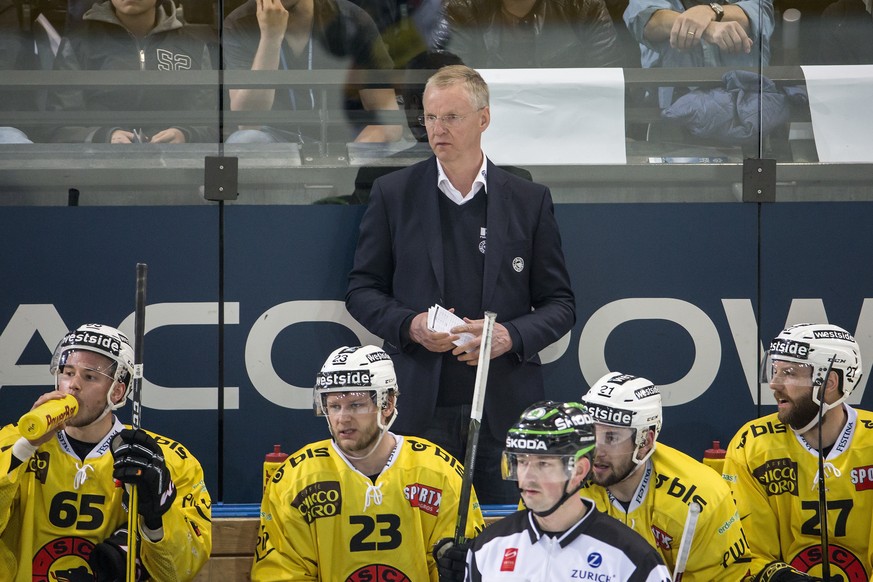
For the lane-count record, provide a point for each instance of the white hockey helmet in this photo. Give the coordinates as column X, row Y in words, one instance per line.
column 358, row 369
column 106, row 341
column 624, row 400
column 821, row 346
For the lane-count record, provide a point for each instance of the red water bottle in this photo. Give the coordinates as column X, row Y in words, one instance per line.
column 273, row 461
column 714, row 457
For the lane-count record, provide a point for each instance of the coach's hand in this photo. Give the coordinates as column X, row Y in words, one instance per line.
column 140, row 461
column 432, row 341
column 451, row 559
column 501, row 341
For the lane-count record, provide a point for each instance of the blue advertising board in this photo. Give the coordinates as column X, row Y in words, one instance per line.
column 672, row 292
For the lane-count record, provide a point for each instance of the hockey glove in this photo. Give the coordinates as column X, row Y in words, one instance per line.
column 782, row 572
column 451, row 559
column 140, row 461
column 108, row 560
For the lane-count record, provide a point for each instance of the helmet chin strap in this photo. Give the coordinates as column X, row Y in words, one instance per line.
column 564, row 497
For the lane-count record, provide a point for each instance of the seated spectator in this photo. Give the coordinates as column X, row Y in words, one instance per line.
column 497, row 34
column 717, row 34
column 407, row 26
column 264, row 35
column 16, row 53
column 132, row 36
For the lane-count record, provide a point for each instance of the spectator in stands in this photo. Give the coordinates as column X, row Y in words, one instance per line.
column 406, row 26
column 559, row 534
column 64, row 492
column 365, row 504
column 643, row 483
column 717, row 34
column 120, row 35
column 16, row 53
column 497, row 34
column 265, row 35
column 815, row 448
column 423, row 239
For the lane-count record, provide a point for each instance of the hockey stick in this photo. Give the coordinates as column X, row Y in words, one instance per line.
column 822, row 489
column 685, row 543
column 475, row 423
column 142, row 271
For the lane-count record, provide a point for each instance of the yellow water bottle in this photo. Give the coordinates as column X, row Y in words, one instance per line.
column 272, row 461
column 47, row 417
column 714, row 457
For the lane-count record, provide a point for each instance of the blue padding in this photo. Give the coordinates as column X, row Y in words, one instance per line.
column 253, row 510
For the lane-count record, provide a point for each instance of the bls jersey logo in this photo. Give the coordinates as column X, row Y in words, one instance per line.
column 168, row 61
column 63, row 560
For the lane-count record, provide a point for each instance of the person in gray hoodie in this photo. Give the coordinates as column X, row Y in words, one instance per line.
column 134, row 35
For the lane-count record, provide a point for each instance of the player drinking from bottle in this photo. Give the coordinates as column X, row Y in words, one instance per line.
column 62, row 517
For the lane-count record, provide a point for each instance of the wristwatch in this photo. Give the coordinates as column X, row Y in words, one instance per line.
column 719, row 11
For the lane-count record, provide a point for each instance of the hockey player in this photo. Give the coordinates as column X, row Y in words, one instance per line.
column 772, row 463
column 366, row 504
column 649, row 486
column 560, row 535
column 62, row 516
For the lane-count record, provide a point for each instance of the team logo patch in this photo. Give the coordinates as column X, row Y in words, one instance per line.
column 423, row 497
column 778, row 476
column 378, row 573
column 862, row 478
column 518, row 264
column 63, row 559
column 662, row 539
column 840, row 559
column 38, row 465
column 510, row 555
column 322, row 499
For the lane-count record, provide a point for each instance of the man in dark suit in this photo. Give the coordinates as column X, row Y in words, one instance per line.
column 423, row 241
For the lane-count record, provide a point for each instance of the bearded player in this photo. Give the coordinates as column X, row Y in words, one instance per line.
column 772, row 463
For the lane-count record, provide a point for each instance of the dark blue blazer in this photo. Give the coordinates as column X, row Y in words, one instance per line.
column 398, row 272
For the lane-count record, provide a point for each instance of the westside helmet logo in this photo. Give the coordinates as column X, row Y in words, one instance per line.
column 799, row 350
column 609, row 415
column 358, row 378
column 527, row 444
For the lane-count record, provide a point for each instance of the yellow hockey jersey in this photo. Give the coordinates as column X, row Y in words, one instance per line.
column 672, row 480
column 55, row 507
column 773, row 473
column 322, row 519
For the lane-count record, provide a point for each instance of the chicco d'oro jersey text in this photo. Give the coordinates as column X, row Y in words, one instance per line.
column 659, row 508
column 322, row 519
column 55, row 507
column 598, row 549
column 774, row 472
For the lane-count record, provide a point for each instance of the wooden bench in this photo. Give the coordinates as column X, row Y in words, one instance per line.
column 233, row 545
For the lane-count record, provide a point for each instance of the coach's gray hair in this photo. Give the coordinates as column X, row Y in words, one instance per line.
column 475, row 85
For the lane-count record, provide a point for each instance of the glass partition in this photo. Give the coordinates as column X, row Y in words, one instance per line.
column 605, row 101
